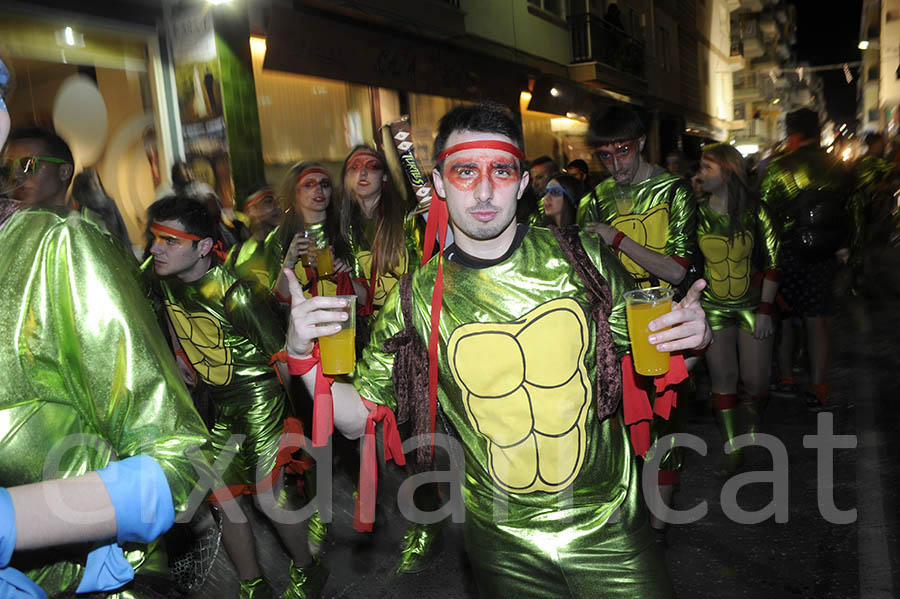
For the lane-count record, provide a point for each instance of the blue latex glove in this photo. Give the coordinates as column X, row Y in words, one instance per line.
column 13, row 584
column 142, row 501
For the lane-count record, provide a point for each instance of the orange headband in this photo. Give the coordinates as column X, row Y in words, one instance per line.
column 313, row 170
column 158, row 228
column 258, row 196
column 483, row 144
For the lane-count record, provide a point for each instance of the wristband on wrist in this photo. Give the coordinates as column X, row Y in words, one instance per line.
column 765, row 308
column 141, row 498
column 617, row 240
column 323, row 403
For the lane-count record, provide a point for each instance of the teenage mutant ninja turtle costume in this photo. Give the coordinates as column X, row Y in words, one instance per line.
column 85, row 356
column 734, row 267
column 248, row 261
column 660, row 214
column 872, row 205
column 312, row 283
column 575, row 524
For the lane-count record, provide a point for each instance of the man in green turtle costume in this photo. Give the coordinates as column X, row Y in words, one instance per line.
column 525, row 368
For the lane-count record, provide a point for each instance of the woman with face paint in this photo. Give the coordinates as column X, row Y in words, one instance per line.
column 559, row 201
column 385, row 245
column 740, row 250
column 310, row 227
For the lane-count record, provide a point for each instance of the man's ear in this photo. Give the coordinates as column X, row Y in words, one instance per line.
column 438, row 183
column 523, row 184
column 205, row 246
column 642, row 142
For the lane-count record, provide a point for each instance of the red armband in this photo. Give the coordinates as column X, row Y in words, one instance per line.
column 364, row 511
column 772, row 274
column 682, row 262
column 323, row 404
column 765, row 308
column 617, row 240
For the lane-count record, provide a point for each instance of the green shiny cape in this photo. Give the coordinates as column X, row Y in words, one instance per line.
column 728, row 262
column 516, row 365
column 788, row 175
column 84, row 356
column 649, row 212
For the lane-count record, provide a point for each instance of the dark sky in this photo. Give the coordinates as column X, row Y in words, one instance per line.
column 827, row 33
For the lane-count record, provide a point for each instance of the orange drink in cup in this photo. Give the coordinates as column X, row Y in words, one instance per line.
column 338, row 351
column 641, row 307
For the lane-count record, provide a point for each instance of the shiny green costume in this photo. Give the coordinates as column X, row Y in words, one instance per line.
column 660, row 215
column 650, row 213
column 733, row 284
column 527, row 423
column 83, row 355
column 248, row 261
column 872, row 205
column 362, row 245
column 229, row 334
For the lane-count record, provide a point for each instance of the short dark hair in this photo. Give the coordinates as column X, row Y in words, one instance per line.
column 193, row 214
column 544, row 160
column 614, row 123
column 803, row 121
column 487, row 117
column 580, row 165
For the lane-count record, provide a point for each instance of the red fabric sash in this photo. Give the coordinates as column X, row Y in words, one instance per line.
column 636, row 404
column 364, row 511
column 323, row 402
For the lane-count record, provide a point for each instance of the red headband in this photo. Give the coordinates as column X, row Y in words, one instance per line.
column 258, row 196
column 156, row 227
column 313, row 170
column 368, row 153
column 218, row 249
column 483, row 144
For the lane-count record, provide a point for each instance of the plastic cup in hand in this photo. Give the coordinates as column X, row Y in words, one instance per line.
column 339, row 350
column 641, row 307
column 307, row 258
column 324, row 264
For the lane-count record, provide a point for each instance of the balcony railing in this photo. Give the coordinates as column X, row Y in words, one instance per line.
column 593, row 39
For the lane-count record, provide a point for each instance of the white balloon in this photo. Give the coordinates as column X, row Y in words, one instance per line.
column 80, row 117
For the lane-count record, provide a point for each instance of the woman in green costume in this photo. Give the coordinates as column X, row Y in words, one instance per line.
column 740, row 249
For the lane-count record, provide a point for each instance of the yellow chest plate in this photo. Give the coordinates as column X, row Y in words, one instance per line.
column 650, row 229
column 525, row 389
column 385, row 281
column 203, row 342
column 728, row 264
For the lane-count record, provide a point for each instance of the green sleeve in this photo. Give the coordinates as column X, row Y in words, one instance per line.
column 373, row 377
column 101, row 348
column 253, row 316
column 682, row 240
column 774, row 192
column 274, row 256
column 770, row 239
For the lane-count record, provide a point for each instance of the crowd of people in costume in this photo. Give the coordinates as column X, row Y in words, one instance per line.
column 195, row 369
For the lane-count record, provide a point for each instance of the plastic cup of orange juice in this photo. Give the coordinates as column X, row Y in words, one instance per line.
column 338, row 351
column 641, row 307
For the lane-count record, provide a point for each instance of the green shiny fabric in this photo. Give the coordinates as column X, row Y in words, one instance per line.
column 788, row 175
column 643, row 211
column 84, row 355
column 248, row 261
column 361, row 246
column 229, row 334
column 723, row 318
column 522, row 312
column 872, row 200
column 728, row 261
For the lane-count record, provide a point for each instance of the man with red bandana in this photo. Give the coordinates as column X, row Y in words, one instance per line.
column 649, row 217
column 524, row 367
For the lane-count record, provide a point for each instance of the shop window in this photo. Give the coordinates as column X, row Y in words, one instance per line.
column 554, row 7
column 308, row 118
column 96, row 89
